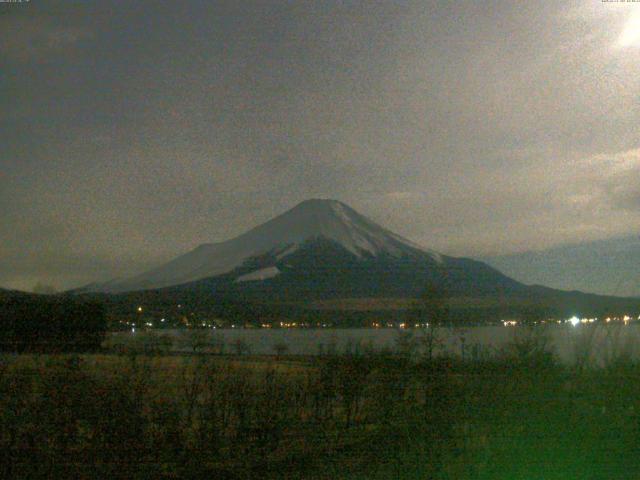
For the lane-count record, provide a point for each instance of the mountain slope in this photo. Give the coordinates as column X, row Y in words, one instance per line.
column 9, row 295
column 280, row 237
column 323, row 269
column 324, row 250
column 606, row 267
column 320, row 253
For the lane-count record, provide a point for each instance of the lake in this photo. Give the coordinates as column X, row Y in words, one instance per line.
column 597, row 343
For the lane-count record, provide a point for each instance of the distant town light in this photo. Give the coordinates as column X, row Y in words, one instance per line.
column 574, row 321
column 139, row 309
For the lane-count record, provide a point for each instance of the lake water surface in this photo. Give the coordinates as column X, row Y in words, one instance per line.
column 595, row 343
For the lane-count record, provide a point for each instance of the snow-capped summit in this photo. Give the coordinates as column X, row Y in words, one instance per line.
column 329, row 219
column 281, row 236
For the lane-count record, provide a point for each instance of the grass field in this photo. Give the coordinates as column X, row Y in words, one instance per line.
column 517, row 416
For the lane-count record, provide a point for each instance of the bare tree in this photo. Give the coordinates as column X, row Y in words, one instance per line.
column 280, row 349
column 432, row 308
column 198, row 339
column 241, row 347
column 406, row 343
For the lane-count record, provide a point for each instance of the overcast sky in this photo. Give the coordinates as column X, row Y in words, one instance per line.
column 130, row 132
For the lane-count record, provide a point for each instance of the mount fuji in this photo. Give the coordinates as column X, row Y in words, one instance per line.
column 318, row 249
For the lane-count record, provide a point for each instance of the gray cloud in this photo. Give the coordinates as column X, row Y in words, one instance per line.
column 134, row 132
column 27, row 39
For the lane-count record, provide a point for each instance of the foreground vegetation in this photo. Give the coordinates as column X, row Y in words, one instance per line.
column 516, row 415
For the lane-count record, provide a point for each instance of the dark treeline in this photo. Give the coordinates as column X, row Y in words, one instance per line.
column 195, row 305
column 226, row 313
column 36, row 323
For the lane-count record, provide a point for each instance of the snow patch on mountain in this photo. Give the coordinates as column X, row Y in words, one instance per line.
column 262, row 274
column 287, row 251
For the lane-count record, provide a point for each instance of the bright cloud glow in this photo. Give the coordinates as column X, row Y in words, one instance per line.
column 630, row 36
